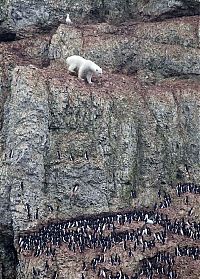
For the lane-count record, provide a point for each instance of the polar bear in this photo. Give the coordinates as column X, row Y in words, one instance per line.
column 85, row 68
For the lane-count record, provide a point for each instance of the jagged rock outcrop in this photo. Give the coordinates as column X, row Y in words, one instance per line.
column 20, row 14
column 175, row 43
column 136, row 128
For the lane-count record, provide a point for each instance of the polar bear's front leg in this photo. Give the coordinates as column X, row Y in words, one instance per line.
column 89, row 77
column 72, row 68
column 81, row 73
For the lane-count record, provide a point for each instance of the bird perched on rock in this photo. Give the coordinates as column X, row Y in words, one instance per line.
column 68, row 20
column 148, row 220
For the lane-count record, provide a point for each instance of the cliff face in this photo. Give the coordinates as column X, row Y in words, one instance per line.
column 69, row 149
column 16, row 15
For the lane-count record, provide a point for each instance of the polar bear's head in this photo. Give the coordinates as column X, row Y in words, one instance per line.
column 97, row 70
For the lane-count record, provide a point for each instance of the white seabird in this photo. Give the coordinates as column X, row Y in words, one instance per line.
column 148, row 220
column 68, row 20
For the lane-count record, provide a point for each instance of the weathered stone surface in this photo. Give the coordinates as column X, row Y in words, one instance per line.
column 20, row 14
column 7, row 253
column 158, row 47
column 165, row 8
column 135, row 138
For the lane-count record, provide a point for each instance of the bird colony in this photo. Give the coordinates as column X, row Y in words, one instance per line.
column 138, row 243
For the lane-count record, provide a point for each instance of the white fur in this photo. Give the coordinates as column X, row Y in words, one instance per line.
column 85, row 68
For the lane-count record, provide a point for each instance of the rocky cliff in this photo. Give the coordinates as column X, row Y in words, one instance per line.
column 68, row 149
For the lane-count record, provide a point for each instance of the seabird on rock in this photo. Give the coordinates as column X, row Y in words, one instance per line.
column 148, row 220
column 34, row 271
column 71, row 157
column 75, row 188
column 190, row 212
column 68, row 20
column 133, row 194
column 86, row 155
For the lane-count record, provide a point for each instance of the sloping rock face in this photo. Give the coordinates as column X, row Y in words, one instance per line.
column 68, row 149
column 19, row 14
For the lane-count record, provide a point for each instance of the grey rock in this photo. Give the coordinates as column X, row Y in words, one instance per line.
column 139, row 137
column 165, row 53
column 20, row 14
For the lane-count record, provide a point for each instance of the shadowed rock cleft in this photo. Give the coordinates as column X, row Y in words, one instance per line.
column 8, row 37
